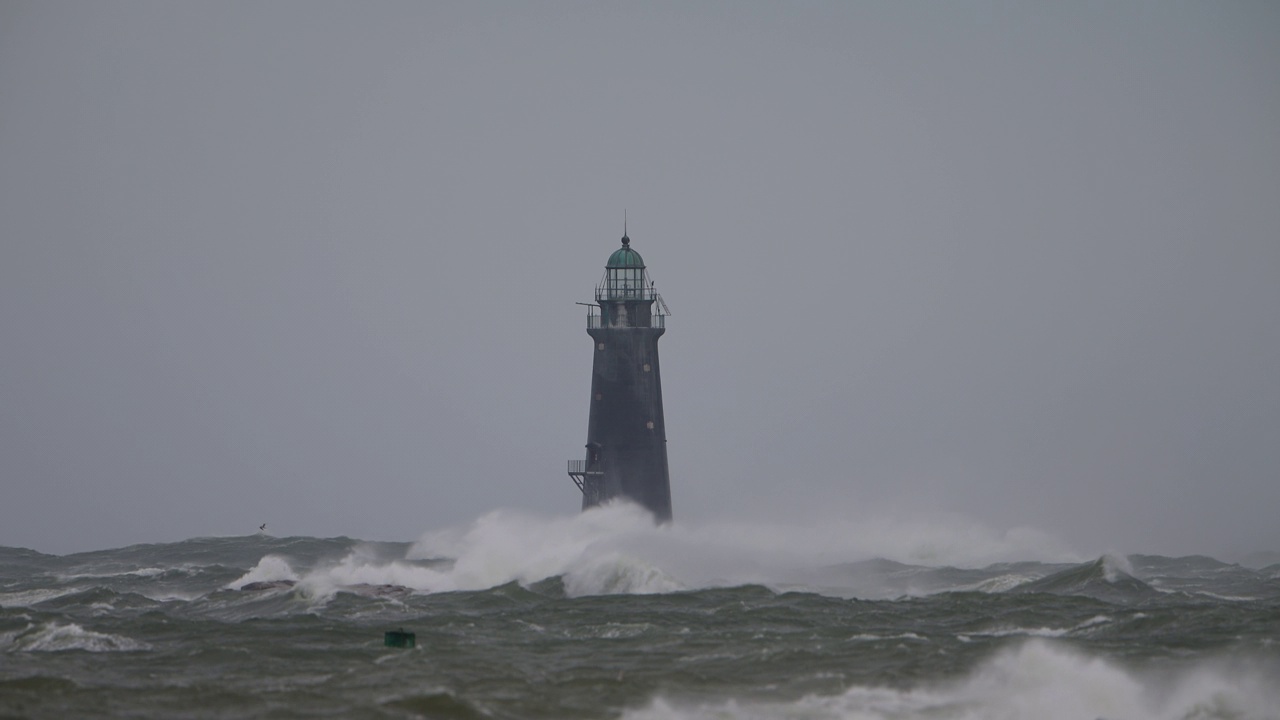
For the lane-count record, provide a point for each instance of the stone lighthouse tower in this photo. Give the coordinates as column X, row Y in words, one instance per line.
column 626, row 436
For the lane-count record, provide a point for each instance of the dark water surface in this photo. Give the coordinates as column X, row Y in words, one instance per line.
column 293, row 627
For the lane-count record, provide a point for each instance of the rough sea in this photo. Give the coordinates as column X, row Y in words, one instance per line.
column 603, row 615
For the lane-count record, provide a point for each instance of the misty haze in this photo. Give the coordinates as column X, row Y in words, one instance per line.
column 971, row 305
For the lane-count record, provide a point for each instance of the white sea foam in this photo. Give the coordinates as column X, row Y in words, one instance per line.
column 1224, row 598
column 1015, row 631
column 57, row 637
column 1115, row 566
column 271, row 568
column 503, row 547
column 1093, row 622
column 163, row 597
column 1042, row 632
column 999, row 584
column 146, row 572
column 1038, row 679
column 596, row 552
column 618, row 549
column 880, row 638
column 356, row 569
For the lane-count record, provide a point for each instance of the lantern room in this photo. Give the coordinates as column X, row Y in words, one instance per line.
column 624, row 276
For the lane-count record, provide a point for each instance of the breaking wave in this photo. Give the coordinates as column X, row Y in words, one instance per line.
column 58, row 637
column 271, row 568
column 617, row 549
column 1036, row 679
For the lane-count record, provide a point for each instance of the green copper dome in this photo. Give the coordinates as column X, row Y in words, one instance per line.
column 625, row 257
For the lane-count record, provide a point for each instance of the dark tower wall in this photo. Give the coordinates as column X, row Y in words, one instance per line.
column 626, row 433
column 626, row 454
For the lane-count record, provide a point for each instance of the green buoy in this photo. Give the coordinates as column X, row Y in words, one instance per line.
column 399, row 639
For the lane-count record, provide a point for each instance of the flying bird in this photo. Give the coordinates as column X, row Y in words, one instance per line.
column 262, row 527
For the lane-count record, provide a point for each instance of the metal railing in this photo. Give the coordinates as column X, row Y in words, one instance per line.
column 606, row 292
column 579, row 473
column 656, row 320
column 579, row 467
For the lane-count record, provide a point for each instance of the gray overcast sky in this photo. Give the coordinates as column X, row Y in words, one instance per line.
column 314, row 264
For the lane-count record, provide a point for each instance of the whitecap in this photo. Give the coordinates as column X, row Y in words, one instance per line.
column 617, row 548
column 999, row 584
column 146, row 572
column 270, row 568
column 58, row 637
column 1115, row 567
column 876, row 638
column 1044, row 632
column 1037, row 679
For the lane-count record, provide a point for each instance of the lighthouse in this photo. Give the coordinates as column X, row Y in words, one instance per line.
column 626, row 453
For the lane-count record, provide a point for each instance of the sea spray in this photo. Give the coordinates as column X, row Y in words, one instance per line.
column 59, row 637
column 1036, row 679
column 271, row 568
column 1116, row 567
column 505, row 546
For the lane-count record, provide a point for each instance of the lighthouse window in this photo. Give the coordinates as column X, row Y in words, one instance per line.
column 646, row 367
column 600, row 346
column 649, row 424
column 626, row 282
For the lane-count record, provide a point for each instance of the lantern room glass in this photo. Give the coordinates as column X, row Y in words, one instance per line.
column 624, row 283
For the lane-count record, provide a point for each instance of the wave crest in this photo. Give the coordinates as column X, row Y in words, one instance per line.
column 271, row 568
column 617, row 548
column 1037, row 679
column 58, row 637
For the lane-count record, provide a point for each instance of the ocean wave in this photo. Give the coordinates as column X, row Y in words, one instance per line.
column 871, row 637
column 271, row 568
column 59, row 637
column 28, row 598
column 147, row 572
column 1036, row 679
column 998, row 584
column 498, row 549
column 617, row 549
column 1108, row 578
column 1041, row 632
